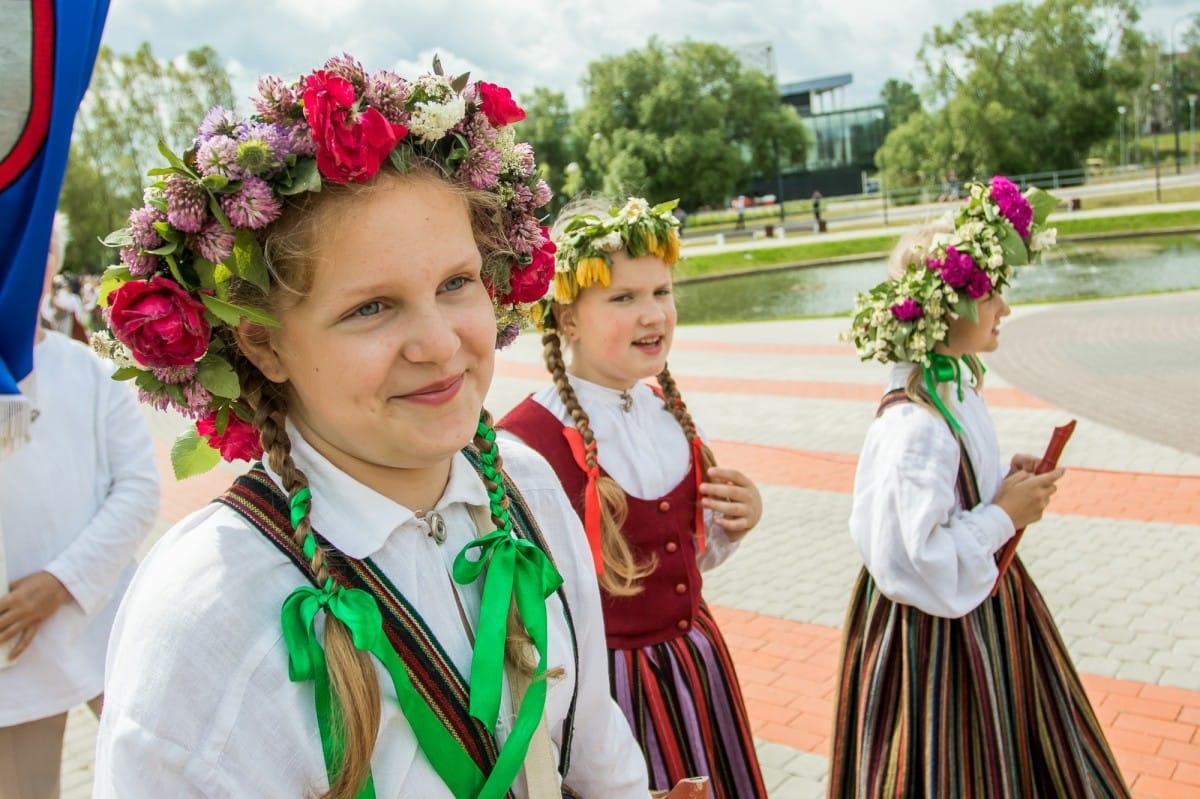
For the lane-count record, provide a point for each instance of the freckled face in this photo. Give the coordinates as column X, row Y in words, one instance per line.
column 622, row 333
column 390, row 355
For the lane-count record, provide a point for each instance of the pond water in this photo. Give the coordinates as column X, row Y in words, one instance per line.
column 1073, row 271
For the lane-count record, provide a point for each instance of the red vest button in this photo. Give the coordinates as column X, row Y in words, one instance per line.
column 672, row 546
column 683, row 624
column 664, row 506
column 681, row 588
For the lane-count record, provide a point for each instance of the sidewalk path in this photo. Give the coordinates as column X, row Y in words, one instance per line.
column 1118, row 558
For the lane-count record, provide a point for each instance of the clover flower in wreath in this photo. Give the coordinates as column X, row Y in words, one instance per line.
column 997, row 229
column 203, row 217
column 584, row 255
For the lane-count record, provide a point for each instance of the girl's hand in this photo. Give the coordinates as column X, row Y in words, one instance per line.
column 1024, row 463
column 1024, row 495
column 734, row 498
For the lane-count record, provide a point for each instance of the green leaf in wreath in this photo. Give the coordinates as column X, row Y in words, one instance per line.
column 119, row 238
column 126, row 373
column 216, row 374
column 1043, row 203
column 175, row 160
column 248, row 262
column 966, row 308
column 191, row 455
column 232, row 315
column 1015, row 253
column 113, row 277
column 305, row 177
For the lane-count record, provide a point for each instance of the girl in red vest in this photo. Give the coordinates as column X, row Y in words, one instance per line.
column 656, row 508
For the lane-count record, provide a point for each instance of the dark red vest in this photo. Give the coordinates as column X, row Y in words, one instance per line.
column 666, row 607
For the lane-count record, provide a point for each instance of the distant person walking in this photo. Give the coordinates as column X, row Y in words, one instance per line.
column 816, row 209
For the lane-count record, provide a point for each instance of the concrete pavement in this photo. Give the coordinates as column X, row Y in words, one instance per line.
column 1118, row 557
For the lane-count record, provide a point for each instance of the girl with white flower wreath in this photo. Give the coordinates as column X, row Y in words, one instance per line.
column 954, row 680
column 656, row 508
column 392, row 604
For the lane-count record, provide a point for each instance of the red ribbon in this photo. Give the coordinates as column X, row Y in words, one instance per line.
column 591, row 496
column 698, row 468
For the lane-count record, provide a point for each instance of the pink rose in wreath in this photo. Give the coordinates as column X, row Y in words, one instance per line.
column 239, row 442
column 161, row 323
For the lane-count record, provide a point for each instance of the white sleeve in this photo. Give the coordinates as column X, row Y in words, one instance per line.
column 92, row 564
column 916, row 540
column 717, row 546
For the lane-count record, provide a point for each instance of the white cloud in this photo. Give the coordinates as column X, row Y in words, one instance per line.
column 525, row 44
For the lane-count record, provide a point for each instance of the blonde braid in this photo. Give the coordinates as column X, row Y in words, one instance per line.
column 352, row 675
column 675, row 404
column 622, row 574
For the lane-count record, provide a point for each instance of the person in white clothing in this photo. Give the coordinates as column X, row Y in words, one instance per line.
column 954, row 680
column 392, row 605
column 75, row 503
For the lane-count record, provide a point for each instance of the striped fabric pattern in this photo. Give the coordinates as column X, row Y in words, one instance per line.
column 256, row 497
column 988, row 705
column 685, row 706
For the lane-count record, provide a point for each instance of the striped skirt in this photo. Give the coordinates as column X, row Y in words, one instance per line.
column 685, row 706
column 988, row 705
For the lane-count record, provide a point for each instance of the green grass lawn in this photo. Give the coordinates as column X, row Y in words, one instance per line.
column 801, row 253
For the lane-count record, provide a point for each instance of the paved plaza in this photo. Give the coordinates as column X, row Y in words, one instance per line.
column 1118, row 557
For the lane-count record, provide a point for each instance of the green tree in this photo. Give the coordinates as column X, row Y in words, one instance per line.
column 1015, row 89
column 547, row 126
column 686, row 120
column 901, row 99
column 134, row 101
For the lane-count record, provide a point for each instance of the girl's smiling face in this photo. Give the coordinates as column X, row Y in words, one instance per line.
column 622, row 333
column 388, row 357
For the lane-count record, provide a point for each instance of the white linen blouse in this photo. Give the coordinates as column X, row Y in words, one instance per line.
column 644, row 449
column 75, row 501
column 917, row 541
column 198, row 701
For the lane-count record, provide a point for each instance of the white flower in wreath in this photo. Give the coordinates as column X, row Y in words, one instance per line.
column 431, row 121
column 635, row 209
column 610, row 242
column 1043, row 239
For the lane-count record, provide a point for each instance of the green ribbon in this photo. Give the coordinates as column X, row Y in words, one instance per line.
column 516, row 569
column 299, row 506
column 943, row 369
column 360, row 613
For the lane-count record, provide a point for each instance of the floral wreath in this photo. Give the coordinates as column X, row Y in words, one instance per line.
column 201, row 223
column 904, row 319
column 584, row 250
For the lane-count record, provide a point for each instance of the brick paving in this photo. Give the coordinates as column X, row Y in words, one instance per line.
column 1118, row 556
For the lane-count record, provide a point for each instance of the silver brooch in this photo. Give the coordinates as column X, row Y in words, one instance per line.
column 436, row 524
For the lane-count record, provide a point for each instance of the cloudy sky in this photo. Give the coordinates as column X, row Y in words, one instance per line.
column 528, row 43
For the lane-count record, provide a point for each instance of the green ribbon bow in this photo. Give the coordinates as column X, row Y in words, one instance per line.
column 360, row 613
column 943, row 369
column 516, row 569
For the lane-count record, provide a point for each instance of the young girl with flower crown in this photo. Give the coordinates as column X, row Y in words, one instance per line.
column 953, row 684
column 392, row 604
column 656, row 508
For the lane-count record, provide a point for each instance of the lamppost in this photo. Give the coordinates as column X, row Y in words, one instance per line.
column 1175, row 90
column 1155, row 91
column 1192, row 128
column 1121, row 111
